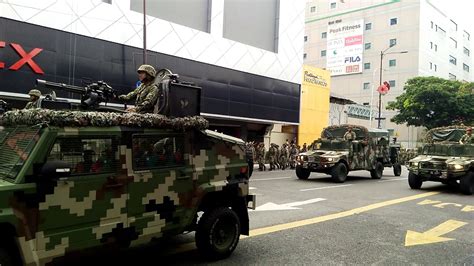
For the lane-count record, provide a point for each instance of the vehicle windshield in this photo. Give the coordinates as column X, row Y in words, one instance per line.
column 436, row 149
column 333, row 145
column 16, row 144
column 461, row 150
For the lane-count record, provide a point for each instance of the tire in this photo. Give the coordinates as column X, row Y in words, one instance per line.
column 397, row 169
column 218, row 233
column 302, row 173
column 467, row 184
column 339, row 173
column 414, row 181
column 377, row 173
column 5, row 258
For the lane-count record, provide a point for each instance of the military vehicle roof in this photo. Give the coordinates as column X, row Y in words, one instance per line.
column 100, row 119
column 445, row 134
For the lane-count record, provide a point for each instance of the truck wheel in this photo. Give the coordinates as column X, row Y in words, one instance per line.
column 302, row 173
column 5, row 258
column 339, row 173
column 397, row 169
column 467, row 184
column 414, row 181
column 377, row 173
column 218, row 233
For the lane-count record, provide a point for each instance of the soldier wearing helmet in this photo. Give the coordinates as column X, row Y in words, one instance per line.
column 467, row 138
column 146, row 94
column 34, row 99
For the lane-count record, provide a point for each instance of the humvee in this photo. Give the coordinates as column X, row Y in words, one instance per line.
column 443, row 159
column 71, row 181
column 335, row 156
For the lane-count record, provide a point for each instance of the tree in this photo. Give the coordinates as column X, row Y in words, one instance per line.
column 434, row 102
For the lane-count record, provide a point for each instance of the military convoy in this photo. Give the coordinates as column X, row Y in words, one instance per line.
column 76, row 180
column 335, row 156
column 443, row 159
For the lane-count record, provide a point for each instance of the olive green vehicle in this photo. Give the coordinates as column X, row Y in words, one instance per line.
column 71, row 181
column 443, row 159
column 335, row 156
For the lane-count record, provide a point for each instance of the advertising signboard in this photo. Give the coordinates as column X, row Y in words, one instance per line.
column 345, row 46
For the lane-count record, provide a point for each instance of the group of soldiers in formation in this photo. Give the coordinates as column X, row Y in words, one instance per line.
column 277, row 157
column 146, row 95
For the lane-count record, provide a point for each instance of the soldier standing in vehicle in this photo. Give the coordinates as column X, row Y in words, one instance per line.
column 304, row 149
column 350, row 135
column 34, row 99
column 467, row 138
column 146, row 94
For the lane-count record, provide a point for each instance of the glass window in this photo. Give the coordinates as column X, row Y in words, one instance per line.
column 366, row 65
column 107, row 1
column 368, row 26
column 324, row 35
column 452, row 60
column 86, row 155
column 436, row 67
column 454, row 43
column 393, row 21
column 323, row 53
column 305, row 38
column 157, row 151
column 392, row 83
column 368, row 46
column 431, row 65
column 465, row 67
column 365, row 103
column 432, row 24
column 452, row 76
column 454, row 26
column 393, row 42
column 304, row 56
column 313, row 9
column 466, row 51
column 366, row 85
column 466, row 35
column 431, row 45
column 436, row 47
column 392, row 62
column 333, row 5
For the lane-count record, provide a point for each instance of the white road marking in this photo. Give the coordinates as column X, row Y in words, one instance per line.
column 317, row 188
column 250, row 188
column 270, row 206
column 393, row 179
column 267, row 179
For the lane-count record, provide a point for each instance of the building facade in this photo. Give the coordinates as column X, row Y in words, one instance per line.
column 248, row 63
column 415, row 36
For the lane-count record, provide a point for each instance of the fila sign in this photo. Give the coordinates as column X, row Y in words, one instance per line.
column 25, row 58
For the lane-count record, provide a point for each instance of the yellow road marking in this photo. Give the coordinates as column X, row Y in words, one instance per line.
column 290, row 225
column 433, row 235
column 315, row 220
column 468, row 208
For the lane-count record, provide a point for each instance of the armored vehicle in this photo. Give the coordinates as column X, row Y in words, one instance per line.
column 335, row 156
column 74, row 180
column 443, row 159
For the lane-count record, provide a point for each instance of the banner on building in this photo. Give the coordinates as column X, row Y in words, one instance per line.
column 345, row 46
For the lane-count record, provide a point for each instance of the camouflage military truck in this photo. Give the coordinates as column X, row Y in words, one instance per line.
column 443, row 159
column 335, row 156
column 71, row 181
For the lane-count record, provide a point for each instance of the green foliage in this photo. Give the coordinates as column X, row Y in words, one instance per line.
column 434, row 102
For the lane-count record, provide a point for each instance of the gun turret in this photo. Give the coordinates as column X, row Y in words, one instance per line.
column 91, row 95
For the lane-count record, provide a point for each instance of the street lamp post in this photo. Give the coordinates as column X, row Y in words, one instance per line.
column 382, row 53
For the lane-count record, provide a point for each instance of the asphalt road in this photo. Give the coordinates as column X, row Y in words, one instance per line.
column 362, row 221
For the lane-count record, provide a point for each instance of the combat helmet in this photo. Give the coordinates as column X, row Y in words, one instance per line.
column 35, row 92
column 150, row 70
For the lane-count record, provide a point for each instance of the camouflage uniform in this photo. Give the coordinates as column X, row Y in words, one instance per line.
column 293, row 155
column 304, row 148
column 249, row 155
column 146, row 94
column 272, row 156
column 35, row 103
column 261, row 157
column 283, row 157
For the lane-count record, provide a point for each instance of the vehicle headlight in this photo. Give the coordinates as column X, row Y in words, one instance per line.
column 456, row 166
column 414, row 164
column 330, row 159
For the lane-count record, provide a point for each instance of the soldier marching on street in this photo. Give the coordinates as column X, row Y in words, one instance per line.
column 261, row 157
column 250, row 154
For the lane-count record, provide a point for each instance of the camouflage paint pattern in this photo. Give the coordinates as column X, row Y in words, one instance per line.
column 52, row 216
